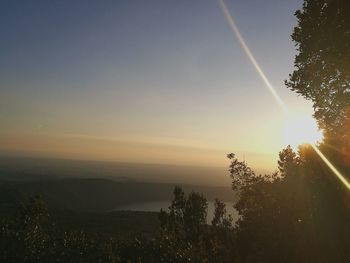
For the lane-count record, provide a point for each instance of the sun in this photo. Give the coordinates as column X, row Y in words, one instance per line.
column 300, row 129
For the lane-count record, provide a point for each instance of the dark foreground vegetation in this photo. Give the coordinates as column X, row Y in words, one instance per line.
column 299, row 214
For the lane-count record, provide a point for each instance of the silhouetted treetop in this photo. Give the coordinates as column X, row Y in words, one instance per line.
column 322, row 65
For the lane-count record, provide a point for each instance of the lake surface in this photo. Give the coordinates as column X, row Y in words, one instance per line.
column 155, row 206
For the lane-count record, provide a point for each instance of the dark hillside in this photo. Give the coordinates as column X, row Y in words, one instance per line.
column 101, row 195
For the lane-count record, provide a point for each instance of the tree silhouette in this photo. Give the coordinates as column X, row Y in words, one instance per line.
column 322, row 65
column 221, row 218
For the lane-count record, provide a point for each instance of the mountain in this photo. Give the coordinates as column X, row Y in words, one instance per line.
column 30, row 168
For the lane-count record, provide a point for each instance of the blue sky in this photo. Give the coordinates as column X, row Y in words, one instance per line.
column 161, row 73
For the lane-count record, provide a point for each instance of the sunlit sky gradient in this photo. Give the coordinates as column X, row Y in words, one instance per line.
column 144, row 81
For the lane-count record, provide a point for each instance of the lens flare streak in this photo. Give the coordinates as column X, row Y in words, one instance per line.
column 234, row 28
column 250, row 55
column 331, row 166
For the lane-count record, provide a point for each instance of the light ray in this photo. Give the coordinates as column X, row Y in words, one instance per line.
column 234, row 28
column 331, row 166
column 250, row 55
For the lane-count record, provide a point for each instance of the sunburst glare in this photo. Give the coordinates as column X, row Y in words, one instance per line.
column 300, row 129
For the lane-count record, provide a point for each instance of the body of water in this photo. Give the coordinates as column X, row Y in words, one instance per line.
column 155, row 206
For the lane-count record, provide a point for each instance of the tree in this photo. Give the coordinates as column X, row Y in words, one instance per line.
column 221, row 218
column 297, row 215
column 288, row 160
column 322, row 65
column 240, row 173
column 322, row 75
column 187, row 215
column 260, row 209
column 185, row 235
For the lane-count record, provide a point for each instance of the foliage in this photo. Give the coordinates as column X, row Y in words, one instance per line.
column 186, row 231
column 221, row 219
column 31, row 235
column 322, row 75
column 322, row 65
column 298, row 215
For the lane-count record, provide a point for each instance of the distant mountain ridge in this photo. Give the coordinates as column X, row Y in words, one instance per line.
column 32, row 168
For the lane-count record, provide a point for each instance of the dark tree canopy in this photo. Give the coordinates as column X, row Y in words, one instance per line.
column 322, row 65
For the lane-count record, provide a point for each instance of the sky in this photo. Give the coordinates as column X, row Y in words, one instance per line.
column 155, row 81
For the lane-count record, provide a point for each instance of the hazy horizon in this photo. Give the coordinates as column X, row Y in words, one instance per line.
column 23, row 168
